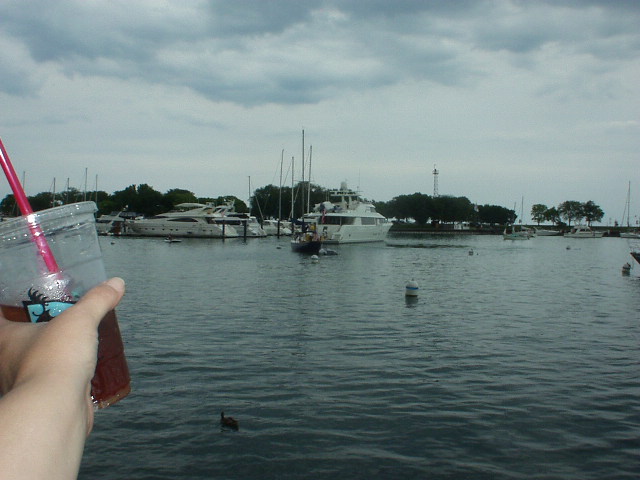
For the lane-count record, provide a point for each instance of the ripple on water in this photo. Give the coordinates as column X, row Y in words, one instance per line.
column 520, row 361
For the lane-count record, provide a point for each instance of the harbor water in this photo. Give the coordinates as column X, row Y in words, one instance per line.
column 517, row 360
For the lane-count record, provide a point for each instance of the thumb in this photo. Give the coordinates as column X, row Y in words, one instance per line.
column 100, row 299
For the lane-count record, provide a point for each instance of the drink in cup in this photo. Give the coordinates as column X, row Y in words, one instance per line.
column 30, row 292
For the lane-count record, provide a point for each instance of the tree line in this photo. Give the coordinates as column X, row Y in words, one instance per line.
column 271, row 201
column 569, row 211
column 142, row 199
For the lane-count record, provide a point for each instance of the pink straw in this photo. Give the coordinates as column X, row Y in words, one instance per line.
column 23, row 203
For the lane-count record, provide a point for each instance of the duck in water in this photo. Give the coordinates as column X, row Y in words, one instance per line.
column 228, row 422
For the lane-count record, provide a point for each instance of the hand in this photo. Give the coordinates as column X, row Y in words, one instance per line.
column 45, row 376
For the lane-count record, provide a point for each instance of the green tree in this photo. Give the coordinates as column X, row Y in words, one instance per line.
column 494, row 214
column 142, row 199
column 552, row 215
column 592, row 212
column 239, row 205
column 570, row 210
column 417, row 206
column 8, row 205
column 41, row 201
column 538, row 212
column 176, row 196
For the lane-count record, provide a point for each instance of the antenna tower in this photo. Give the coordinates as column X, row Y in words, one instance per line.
column 435, row 181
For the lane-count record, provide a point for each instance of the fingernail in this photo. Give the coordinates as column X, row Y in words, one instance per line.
column 116, row 283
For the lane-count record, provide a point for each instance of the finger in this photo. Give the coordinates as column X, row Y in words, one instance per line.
column 95, row 304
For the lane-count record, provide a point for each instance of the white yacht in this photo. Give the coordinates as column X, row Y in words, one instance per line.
column 187, row 220
column 115, row 223
column 230, row 218
column 583, row 231
column 271, row 227
column 547, row 232
column 347, row 218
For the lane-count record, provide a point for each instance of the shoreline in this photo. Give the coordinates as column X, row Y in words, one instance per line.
column 496, row 230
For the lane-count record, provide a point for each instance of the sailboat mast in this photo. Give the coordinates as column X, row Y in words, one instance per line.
column 280, row 194
column 309, row 186
column 293, row 199
column 302, row 183
column 628, row 204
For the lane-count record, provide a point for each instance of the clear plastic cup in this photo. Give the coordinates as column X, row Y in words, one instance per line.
column 29, row 292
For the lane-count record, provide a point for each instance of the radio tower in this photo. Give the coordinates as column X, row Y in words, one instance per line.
column 435, row 181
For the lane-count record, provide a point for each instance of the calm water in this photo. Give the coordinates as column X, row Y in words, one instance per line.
column 519, row 361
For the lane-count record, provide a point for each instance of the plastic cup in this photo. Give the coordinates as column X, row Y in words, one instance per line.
column 29, row 292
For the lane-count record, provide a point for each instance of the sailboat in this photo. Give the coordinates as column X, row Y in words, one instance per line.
column 629, row 233
column 305, row 239
column 517, row 232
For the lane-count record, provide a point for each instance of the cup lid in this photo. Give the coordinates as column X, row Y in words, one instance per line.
column 7, row 227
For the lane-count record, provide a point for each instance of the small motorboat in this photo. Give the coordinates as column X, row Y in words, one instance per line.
column 306, row 242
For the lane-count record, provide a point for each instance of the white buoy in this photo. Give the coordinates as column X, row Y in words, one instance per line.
column 411, row 290
column 626, row 269
column 314, row 258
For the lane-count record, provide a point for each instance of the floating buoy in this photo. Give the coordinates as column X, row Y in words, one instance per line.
column 411, row 290
column 471, row 251
column 626, row 269
column 314, row 259
column 568, row 247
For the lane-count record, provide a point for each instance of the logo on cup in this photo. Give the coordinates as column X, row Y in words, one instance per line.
column 40, row 309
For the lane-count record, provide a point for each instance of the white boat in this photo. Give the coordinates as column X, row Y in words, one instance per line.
column 632, row 234
column 271, row 227
column 516, row 232
column 245, row 225
column 347, row 218
column 583, row 231
column 545, row 232
column 115, row 223
column 187, row 220
column 635, row 250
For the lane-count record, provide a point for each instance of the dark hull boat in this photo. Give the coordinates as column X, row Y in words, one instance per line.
column 306, row 243
column 311, row 246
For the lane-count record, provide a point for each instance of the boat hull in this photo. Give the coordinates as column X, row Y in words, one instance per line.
column 311, row 247
column 354, row 233
column 515, row 236
column 194, row 231
column 548, row 233
column 584, row 235
column 630, row 235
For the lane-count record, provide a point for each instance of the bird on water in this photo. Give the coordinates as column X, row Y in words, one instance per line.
column 229, row 422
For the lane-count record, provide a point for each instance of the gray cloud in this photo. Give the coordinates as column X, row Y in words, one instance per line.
column 493, row 90
column 257, row 52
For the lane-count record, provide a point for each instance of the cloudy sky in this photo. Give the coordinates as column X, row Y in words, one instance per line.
column 510, row 99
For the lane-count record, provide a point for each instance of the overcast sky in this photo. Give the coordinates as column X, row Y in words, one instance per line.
column 510, row 99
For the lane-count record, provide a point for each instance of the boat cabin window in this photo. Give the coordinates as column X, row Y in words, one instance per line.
column 183, row 219
column 368, row 221
column 328, row 220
